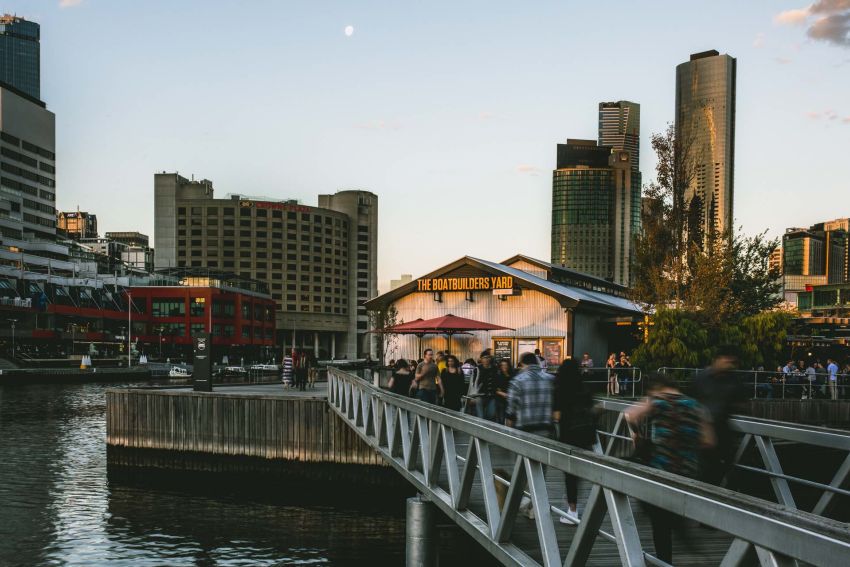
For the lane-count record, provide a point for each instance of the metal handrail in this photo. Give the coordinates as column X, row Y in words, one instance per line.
column 770, row 382
column 404, row 431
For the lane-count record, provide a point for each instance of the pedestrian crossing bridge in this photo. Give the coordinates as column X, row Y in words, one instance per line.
column 476, row 473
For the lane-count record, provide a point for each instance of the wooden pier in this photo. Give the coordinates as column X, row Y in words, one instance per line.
column 253, row 428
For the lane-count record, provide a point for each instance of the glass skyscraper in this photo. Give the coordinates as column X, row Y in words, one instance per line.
column 705, row 128
column 20, row 55
column 595, row 210
column 619, row 127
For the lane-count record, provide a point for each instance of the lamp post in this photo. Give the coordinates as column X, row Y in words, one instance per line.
column 13, row 321
column 160, row 329
column 129, row 328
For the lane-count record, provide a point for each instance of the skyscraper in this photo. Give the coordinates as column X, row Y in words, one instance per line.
column 619, row 127
column 20, row 55
column 705, row 130
column 595, row 210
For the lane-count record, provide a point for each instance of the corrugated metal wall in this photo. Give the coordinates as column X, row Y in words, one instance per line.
column 533, row 314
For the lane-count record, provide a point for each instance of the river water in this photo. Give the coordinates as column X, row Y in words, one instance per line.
column 60, row 506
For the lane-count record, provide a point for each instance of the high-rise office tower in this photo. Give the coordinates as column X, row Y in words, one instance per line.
column 619, row 127
column 705, row 130
column 19, row 55
column 595, row 210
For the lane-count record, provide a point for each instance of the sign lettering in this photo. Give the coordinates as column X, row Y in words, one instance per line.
column 465, row 284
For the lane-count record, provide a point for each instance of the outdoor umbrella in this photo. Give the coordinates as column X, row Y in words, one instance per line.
column 450, row 325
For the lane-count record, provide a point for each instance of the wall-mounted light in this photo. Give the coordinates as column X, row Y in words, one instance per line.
column 469, row 296
column 438, row 296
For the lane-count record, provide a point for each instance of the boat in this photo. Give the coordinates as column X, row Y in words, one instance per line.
column 179, row 372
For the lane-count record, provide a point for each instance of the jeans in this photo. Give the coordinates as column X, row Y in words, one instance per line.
column 494, row 409
column 429, row 396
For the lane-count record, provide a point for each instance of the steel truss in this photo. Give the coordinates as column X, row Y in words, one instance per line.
column 421, row 442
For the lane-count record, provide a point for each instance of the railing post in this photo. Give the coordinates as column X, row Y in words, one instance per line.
column 421, row 538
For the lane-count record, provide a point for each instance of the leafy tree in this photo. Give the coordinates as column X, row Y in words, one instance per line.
column 764, row 338
column 754, row 285
column 380, row 319
column 677, row 338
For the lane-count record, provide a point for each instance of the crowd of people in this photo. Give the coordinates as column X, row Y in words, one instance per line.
column 685, row 433
column 299, row 370
column 802, row 379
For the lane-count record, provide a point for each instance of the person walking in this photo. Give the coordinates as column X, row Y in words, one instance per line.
column 530, row 406
column 576, row 420
column 679, row 427
column 473, row 389
column 832, row 377
column 486, row 385
column 720, row 391
column 452, row 385
column 287, row 376
column 302, row 368
column 425, row 379
column 401, row 381
column 541, row 362
column 613, row 384
column 498, row 392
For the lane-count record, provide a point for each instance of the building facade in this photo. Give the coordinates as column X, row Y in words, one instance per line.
column 27, row 168
column 77, row 224
column 619, row 128
column 813, row 257
column 542, row 306
column 20, row 55
column 705, row 132
column 596, row 208
column 320, row 263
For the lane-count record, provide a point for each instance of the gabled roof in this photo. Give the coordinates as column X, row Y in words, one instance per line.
column 550, row 267
column 568, row 296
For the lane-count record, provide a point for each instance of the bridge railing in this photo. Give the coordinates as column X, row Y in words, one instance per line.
column 424, row 443
column 757, row 443
column 778, row 385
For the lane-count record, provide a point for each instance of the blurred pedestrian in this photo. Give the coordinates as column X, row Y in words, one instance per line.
column 452, row 385
column 720, row 391
column 401, row 381
column 486, row 386
column 576, row 423
column 679, row 427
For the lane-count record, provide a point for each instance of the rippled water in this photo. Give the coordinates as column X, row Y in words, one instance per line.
column 58, row 505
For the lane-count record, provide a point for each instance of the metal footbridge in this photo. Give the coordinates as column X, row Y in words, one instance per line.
column 477, row 472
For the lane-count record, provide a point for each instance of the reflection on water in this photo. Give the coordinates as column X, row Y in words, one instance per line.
column 58, row 506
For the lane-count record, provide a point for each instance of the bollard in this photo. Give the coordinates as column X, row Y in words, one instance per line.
column 421, row 544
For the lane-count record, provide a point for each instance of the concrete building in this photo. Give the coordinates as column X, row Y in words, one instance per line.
column 320, row 263
column 77, row 224
column 20, row 55
column 27, row 167
column 596, row 210
column 705, row 130
column 402, row 280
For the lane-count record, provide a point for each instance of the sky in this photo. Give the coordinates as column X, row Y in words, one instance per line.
column 449, row 111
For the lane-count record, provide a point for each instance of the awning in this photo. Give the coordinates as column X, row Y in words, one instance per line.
column 450, row 324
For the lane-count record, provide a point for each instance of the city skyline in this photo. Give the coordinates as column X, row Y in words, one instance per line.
column 419, row 109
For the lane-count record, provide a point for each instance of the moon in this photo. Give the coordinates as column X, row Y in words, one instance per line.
column 349, row 31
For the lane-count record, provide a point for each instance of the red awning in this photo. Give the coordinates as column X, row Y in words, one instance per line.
column 447, row 324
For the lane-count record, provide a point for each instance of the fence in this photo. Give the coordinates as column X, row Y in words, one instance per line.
column 779, row 385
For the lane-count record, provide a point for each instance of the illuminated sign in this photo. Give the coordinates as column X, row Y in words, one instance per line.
column 465, row 284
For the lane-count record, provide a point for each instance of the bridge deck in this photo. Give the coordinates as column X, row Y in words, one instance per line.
column 695, row 545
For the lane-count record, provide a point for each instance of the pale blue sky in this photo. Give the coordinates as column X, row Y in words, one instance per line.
column 449, row 111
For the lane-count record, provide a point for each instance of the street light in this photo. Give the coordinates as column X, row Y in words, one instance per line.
column 160, row 329
column 129, row 328
column 13, row 321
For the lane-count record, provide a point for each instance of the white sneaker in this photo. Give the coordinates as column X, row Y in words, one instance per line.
column 525, row 508
column 570, row 517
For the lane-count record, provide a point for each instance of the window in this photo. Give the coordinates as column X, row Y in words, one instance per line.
column 168, row 307
column 196, row 307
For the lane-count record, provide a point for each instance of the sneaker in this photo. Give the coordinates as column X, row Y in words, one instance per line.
column 525, row 508
column 570, row 518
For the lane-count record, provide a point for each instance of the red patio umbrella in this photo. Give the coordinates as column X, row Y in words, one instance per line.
column 450, row 325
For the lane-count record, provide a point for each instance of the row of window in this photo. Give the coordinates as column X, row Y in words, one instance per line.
column 15, row 141
column 25, row 173
column 257, row 212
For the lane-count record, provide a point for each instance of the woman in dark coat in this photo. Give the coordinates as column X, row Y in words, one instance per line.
column 452, row 384
column 402, row 378
column 574, row 411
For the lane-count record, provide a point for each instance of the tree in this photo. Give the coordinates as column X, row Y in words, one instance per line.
column 380, row 319
column 677, row 339
column 764, row 338
column 754, row 285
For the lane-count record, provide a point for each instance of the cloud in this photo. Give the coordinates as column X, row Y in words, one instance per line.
column 69, row 3
column 828, row 20
column 759, row 40
column 829, row 114
column 846, row 120
column 379, row 125
column 783, row 60
column 485, row 115
column 813, row 115
column 528, row 169
column 792, row 17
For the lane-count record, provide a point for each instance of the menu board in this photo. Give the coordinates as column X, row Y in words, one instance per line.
column 525, row 345
column 503, row 348
column 553, row 351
